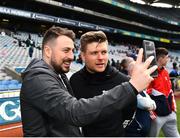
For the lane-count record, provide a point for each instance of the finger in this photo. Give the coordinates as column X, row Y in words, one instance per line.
column 139, row 56
column 148, row 61
column 151, row 79
column 152, row 69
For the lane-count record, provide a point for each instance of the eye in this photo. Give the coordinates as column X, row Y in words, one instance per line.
column 66, row 50
column 104, row 52
column 94, row 53
column 73, row 50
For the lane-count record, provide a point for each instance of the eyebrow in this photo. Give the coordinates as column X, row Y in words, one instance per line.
column 65, row 48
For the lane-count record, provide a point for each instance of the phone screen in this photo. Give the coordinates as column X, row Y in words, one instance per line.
column 149, row 50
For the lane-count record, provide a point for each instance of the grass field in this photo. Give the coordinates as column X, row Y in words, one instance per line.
column 178, row 116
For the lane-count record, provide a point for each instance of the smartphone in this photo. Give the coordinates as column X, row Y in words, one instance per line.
column 149, row 50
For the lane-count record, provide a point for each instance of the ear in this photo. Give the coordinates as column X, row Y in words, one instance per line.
column 82, row 56
column 159, row 59
column 47, row 51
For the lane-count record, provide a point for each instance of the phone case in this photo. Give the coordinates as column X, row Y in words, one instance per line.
column 149, row 50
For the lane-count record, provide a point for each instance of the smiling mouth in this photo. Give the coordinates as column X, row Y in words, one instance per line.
column 67, row 63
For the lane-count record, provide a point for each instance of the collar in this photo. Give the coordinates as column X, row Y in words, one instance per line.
column 107, row 71
column 99, row 76
column 160, row 69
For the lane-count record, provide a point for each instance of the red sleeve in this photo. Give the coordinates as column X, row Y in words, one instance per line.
column 149, row 88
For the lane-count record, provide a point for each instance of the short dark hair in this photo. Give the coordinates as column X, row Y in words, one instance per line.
column 54, row 32
column 161, row 52
column 92, row 36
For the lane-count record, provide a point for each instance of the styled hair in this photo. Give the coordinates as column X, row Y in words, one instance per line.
column 54, row 32
column 92, row 36
column 161, row 52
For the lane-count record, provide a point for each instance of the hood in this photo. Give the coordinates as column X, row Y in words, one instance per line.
column 34, row 67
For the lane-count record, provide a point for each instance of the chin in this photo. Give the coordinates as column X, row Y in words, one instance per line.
column 100, row 70
column 66, row 71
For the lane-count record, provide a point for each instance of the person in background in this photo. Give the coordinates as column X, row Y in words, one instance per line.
column 31, row 50
column 173, row 75
column 160, row 90
column 141, row 123
column 124, row 64
column 174, row 71
column 113, row 62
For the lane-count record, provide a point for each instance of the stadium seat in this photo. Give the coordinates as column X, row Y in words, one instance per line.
column 3, row 87
column 19, row 85
column 7, row 78
column 12, row 87
column 14, row 82
column 5, row 82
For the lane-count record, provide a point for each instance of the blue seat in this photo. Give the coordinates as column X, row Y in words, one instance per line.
column 14, row 82
column 5, row 82
column 19, row 85
column 3, row 87
column 12, row 86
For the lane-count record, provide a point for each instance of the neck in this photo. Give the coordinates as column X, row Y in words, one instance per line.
column 48, row 63
column 46, row 60
column 160, row 66
column 91, row 72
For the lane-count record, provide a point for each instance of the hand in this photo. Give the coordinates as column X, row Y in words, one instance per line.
column 153, row 106
column 140, row 77
column 145, row 103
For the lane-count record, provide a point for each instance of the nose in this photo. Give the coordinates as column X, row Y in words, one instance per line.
column 71, row 55
column 100, row 56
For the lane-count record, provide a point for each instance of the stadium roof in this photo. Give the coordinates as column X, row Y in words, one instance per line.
column 160, row 3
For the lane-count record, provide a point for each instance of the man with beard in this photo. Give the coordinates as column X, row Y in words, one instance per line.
column 48, row 107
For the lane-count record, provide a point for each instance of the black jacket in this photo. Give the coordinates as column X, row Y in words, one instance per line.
column 88, row 85
column 48, row 109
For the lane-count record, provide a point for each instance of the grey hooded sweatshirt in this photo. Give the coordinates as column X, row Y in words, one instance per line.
column 48, row 109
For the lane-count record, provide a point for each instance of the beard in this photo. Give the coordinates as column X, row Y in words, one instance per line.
column 58, row 67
